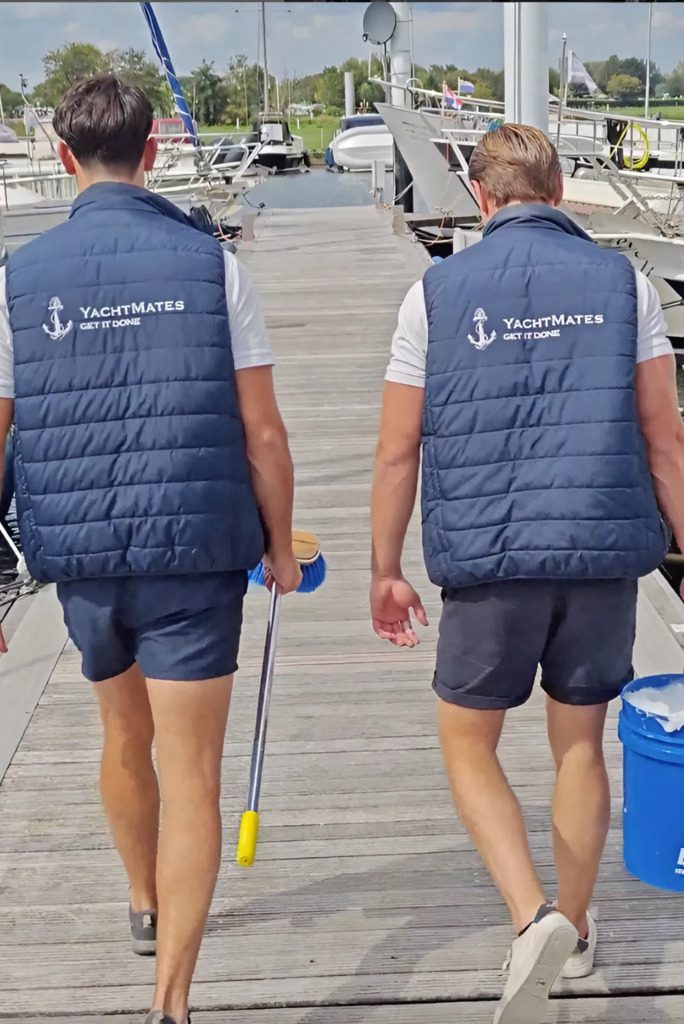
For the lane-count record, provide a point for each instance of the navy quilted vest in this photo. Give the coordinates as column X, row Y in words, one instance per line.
column 534, row 464
column 130, row 452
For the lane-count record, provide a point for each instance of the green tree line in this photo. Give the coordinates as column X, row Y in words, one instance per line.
column 237, row 92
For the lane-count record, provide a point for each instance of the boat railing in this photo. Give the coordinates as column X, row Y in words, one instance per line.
column 47, row 185
column 641, row 138
column 658, row 197
column 203, row 162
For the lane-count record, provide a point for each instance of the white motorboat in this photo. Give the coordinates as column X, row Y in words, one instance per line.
column 279, row 149
column 363, row 140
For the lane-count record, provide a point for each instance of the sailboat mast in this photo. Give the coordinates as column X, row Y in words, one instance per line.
column 647, row 101
column 263, row 35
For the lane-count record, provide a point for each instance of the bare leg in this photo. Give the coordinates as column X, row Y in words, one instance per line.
column 190, row 720
column 488, row 807
column 581, row 806
column 128, row 781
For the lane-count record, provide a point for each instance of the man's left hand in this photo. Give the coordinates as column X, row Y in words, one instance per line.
column 392, row 601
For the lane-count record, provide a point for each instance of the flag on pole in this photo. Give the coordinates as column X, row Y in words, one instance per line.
column 31, row 119
column 465, row 87
column 578, row 74
column 162, row 52
column 450, row 99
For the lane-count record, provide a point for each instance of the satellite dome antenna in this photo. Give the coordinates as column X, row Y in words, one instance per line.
column 379, row 23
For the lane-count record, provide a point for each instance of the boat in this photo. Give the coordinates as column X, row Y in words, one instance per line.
column 279, row 149
column 362, row 141
column 639, row 212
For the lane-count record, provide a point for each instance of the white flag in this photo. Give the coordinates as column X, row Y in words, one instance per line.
column 31, row 122
column 578, row 74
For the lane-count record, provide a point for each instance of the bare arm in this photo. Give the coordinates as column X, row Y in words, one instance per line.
column 395, row 482
column 661, row 424
column 395, row 479
column 6, row 415
column 271, row 468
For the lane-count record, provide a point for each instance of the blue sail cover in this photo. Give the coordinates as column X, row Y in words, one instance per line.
column 162, row 52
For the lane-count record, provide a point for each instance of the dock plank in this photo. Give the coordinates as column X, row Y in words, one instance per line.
column 367, row 902
column 654, row 1010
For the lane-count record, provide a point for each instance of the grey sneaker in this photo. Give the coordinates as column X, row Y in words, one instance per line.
column 143, row 931
column 580, row 963
column 534, row 963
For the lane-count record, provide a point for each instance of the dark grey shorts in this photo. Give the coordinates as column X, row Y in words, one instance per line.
column 493, row 637
column 175, row 627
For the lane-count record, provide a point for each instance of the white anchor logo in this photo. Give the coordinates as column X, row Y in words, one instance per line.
column 58, row 329
column 482, row 340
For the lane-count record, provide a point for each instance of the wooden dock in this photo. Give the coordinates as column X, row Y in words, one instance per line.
column 367, row 904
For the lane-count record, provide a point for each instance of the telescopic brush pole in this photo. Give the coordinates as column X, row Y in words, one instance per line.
column 249, row 825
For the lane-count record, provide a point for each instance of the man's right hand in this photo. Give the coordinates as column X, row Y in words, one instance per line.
column 283, row 570
column 392, row 601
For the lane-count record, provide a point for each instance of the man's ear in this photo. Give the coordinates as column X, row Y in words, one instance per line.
column 67, row 157
column 483, row 201
column 149, row 154
column 558, row 193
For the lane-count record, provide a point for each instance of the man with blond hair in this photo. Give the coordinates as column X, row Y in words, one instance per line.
column 535, row 372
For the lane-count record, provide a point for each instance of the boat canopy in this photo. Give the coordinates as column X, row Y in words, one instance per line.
column 360, row 121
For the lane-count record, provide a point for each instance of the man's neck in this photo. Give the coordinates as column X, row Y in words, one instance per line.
column 84, row 181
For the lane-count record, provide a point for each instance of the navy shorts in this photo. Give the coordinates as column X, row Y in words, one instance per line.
column 493, row 637
column 174, row 627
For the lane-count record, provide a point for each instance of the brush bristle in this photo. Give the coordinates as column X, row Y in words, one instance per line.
column 257, row 576
column 313, row 576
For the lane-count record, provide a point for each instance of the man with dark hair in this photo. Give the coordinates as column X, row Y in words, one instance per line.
column 535, row 372
column 152, row 471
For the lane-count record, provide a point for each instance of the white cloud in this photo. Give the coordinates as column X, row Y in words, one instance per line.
column 36, row 11
column 205, row 27
column 669, row 18
column 302, row 32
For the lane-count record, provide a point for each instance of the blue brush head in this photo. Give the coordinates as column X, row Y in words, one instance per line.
column 313, row 576
column 257, row 575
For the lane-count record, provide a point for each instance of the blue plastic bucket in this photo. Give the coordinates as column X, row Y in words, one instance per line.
column 653, row 786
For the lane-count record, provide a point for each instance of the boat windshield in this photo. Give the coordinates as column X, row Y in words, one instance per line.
column 360, row 121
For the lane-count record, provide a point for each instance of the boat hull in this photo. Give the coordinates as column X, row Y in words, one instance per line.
column 279, row 161
column 358, row 149
column 436, row 189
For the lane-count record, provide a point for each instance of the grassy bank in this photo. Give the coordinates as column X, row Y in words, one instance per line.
column 668, row 113
column 316, row 132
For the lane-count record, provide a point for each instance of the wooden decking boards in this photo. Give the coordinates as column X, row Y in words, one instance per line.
column 366, row 904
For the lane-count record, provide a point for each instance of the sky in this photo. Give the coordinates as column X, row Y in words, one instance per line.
column 305, row 36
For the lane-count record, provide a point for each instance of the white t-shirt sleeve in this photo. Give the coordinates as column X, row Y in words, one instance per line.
column 6, row 354
column 409, row 345
column 247, row 329
column 652, row 339
column 408, row 358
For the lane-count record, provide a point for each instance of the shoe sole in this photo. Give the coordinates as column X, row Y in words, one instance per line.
column 529, row 1003
column 144, row 947
column 579, row 972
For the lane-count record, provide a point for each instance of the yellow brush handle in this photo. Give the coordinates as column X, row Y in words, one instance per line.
column 247, row 840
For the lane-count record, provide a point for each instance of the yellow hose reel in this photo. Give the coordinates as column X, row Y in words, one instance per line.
column 633, row 162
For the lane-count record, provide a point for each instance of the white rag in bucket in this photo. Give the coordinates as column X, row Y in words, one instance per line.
column 666, row 703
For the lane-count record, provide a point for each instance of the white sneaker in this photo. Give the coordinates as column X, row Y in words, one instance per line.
column 536, row 959
column 580, row 963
